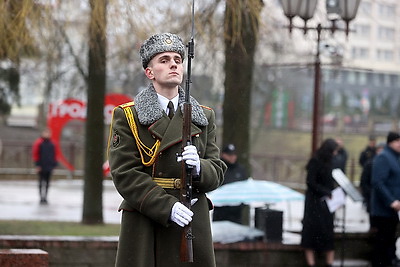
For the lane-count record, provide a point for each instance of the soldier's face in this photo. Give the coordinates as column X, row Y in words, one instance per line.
column 166, row 69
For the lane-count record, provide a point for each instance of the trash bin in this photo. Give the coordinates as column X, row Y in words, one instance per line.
column 237, row 214
column 271, row 222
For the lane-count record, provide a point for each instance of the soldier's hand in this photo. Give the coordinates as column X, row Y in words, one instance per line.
column 191, row 157
column 180, row 214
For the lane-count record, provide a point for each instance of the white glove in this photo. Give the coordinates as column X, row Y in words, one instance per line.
column 193, row 201
column 180, row 214
column 191, row 157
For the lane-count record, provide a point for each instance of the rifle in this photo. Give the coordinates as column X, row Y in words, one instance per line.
column 186, row 249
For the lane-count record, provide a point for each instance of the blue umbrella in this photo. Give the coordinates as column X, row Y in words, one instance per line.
column 252, row 191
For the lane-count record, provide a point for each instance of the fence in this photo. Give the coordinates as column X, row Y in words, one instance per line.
column 16, row 159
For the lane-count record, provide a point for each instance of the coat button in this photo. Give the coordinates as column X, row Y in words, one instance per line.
column 177, row 183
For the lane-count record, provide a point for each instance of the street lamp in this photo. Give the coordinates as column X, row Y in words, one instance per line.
column 305, row 9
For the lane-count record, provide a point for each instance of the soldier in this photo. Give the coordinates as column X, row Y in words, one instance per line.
column 143, row 147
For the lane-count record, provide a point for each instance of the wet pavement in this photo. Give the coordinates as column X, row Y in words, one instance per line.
column 19, row 200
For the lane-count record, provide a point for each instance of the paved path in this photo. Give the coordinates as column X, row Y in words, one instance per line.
column 19, row 200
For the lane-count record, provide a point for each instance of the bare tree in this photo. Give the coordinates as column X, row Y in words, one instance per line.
column 94, row 147
column 16, row 41
column 241, row 33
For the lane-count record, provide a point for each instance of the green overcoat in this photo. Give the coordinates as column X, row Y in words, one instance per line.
column 146, row 150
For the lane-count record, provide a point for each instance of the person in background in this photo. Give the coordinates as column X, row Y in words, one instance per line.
column 365, row 184
column 45, row 158
column 369, row 152
column 340, row 159
column 317, row 234
column 145, row 154
column 235, row 172
column 385, row 201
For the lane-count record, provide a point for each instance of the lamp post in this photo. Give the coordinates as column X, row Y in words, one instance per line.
column 305, row 9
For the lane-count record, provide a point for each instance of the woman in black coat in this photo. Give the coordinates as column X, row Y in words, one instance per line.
column 317, row 234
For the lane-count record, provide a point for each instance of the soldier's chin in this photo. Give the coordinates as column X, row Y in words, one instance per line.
column 173, row 82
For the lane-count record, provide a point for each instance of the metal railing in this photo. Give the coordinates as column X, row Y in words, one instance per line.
column 16, row 159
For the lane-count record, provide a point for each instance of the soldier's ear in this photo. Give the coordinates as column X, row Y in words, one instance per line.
column 149, row 73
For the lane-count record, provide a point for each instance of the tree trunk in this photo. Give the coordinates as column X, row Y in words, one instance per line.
column 94, row 132
column 241, row 32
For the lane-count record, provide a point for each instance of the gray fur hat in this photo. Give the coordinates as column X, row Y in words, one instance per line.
column 159, row 43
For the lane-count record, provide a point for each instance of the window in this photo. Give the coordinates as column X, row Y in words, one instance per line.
column 362, row 30
column 364, row 9
column 384, row 55
column 377, row 80
column 386, row 80
column 386, row 33
column 327, row 75
column 337, row 76
column 351, row 77
column 362, row 78
column 360, row 53
column 387, row 11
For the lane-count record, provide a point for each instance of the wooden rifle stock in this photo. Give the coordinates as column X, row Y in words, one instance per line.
column 186, row 250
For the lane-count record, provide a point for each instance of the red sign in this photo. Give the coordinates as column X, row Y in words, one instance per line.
column 61, row 112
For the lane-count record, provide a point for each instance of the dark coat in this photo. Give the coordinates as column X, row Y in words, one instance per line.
column 234, row 173
column 44, row 154
column 148, row 238
column 317, row 233
column 367, row 154
column 385, row 183
column 365, row 183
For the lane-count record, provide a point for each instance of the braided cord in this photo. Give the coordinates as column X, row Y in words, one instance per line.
column 151, row 152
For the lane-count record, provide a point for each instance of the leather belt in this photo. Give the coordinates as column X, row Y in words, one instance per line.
column 168, row 183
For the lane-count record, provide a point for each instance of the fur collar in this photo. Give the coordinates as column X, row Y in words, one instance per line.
column 149, row 109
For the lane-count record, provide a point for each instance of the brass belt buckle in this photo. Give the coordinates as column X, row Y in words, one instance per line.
column 177, row 183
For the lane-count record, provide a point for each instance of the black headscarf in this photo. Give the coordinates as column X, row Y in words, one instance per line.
column 325, row 152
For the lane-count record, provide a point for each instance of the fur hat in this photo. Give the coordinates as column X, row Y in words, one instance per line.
column 159, row 43
column 392, row 136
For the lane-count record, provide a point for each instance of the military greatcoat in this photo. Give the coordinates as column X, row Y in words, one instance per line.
column 143, row 149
